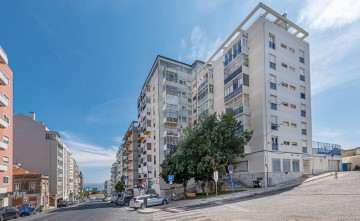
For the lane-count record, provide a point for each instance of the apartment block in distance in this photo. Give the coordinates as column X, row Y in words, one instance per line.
column 6, row 129
column 131, row 158
column 164, row 110
column 262, row 73
column 41, row 150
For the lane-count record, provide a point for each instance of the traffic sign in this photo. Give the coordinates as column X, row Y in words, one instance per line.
column 171, row 178
column 151, row 183
column 216, row 176
column 143, row 184
column 230, row 168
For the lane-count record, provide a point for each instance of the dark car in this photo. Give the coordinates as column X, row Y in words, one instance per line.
column 9, row 212
column 27, row 209
column 63, row 203
column 123, row 201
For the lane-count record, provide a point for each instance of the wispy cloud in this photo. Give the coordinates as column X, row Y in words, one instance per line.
column 183, row 43
column 201, row 47
column 41, row 22
column 329, row 14
column 113, row 111
column 88, row 155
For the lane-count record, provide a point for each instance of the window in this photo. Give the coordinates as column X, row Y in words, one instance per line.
column 32, row 186
column 286, row 142
column 273, row 82
column 295, row 165
column 303, row 110
column 6, row 160
column 285, row 123
column 154, row 160
column 292, row 68
column 273, row 102
column 302, row 60
column 302, row 74
column 5, row 180
column 272, row 41
column 292, row 87
column 149, row 158
column 293, row 125
column 284, row 65
column 274, row 143
column 283, row 45
column 286, row 165
column 284, row 84
column 303, row 128
column 304, row 149
column 242, row 166
column 7, row 119
column 276, row 165
column 17, row 187
column 6, row 139
column 293, row 106
column 291, row 50
column 155, row 173
column 274, row 125
column 285, row 104
column 293, row 143
column 304, row 146
column 272, row 62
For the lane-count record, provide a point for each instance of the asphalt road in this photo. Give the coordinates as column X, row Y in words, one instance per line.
column 90, row 211
column 323, row 199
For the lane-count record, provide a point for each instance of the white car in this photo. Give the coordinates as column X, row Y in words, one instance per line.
column 152, row 200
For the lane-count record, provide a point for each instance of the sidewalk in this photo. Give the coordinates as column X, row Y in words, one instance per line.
column 249, row 192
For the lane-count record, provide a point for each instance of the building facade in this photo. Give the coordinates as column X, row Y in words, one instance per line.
column 107, row 188
column 30, row 187
column 6, row 129
column 46, row 154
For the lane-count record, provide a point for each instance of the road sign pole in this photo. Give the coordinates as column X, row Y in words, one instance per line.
column 232, row 183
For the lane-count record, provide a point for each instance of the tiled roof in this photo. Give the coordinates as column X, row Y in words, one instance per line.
column 21, row 171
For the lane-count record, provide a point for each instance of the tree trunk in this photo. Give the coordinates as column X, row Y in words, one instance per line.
column 203, row 187
column 184, row 185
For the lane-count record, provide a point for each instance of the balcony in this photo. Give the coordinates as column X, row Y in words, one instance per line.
column 238, row 110
column 170, row 121
column 3, row 123
column 3, row 146
column 128, row 160
column 146, row 130
column 127, row 152
column 233, row 94
column 3, row 168
column 233, row 75
column 4, row 80
column 3, row 56
column 127, row 143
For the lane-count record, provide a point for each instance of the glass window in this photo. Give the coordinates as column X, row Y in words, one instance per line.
column 286, row 165
column 276, row 165
column 295, row 165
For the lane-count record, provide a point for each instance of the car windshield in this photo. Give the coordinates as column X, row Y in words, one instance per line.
column 26, row 206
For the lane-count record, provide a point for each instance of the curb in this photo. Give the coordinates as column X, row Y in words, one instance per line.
column 207, row 202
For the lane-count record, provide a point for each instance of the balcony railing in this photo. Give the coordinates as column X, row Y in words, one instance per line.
column 203, row 84
column 239, row 110
column 3, row 56
column 3, row 145
column 4, row 80
column 233, row 75
column 170, row 120
column 233, row 94
column 3, row 168
column 3, row 123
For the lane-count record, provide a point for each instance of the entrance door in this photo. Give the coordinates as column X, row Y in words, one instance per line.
column 306, row 166
column 334, row 165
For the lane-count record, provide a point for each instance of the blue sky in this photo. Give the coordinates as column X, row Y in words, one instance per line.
column 80, row 64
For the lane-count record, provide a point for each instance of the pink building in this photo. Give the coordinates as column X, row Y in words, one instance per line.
column 6, row 129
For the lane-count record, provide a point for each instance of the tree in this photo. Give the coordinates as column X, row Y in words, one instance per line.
column 94, row 191
column 86, row 193
column 211, row 145
column 119, row 186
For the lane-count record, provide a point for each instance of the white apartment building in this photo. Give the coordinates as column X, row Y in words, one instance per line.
column 107, row 188
column 46, row 154
column 164, row 109
column 262, row 73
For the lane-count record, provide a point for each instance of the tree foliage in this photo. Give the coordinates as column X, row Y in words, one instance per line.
column 119, row 186
column 210, row 145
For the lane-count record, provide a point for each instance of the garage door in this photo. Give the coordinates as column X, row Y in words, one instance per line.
column 333, row 165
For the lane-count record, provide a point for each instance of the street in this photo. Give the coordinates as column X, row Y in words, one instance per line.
column 323, row 199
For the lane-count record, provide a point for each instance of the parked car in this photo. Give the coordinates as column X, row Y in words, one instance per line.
column 9, row 212
column 123, row 201
column 27, row 209
column 107, row 199
column 63, row 203
column 152, row 200
column 113, row 199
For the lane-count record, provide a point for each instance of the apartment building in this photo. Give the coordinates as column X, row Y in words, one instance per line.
column 131, row 157
column 262, row 73
column 107, row 188
column 41, row 150
column 113, row 179
column 6, row 128
column 164, row 110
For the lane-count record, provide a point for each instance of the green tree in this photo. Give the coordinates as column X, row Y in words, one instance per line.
column 119, row 186
column 210, row 145
column 86, row 193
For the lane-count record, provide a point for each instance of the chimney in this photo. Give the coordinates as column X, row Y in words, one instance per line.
column 32, row 115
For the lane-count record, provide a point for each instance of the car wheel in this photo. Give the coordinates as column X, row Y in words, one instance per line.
column 1, row 218
column 142, row 206
column 163, row 202
column 18, row 215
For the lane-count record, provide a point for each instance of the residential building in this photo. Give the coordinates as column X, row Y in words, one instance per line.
column 164, row 110
column 30, row 187
column 46, row 154
column 107, row 188
column 114, row 175
column 6, row 129
column 132, row 157
column 350, row 159
column 326, row 157
column 262, row 73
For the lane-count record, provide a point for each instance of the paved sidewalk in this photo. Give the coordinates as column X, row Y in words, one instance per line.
column 238, row 195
